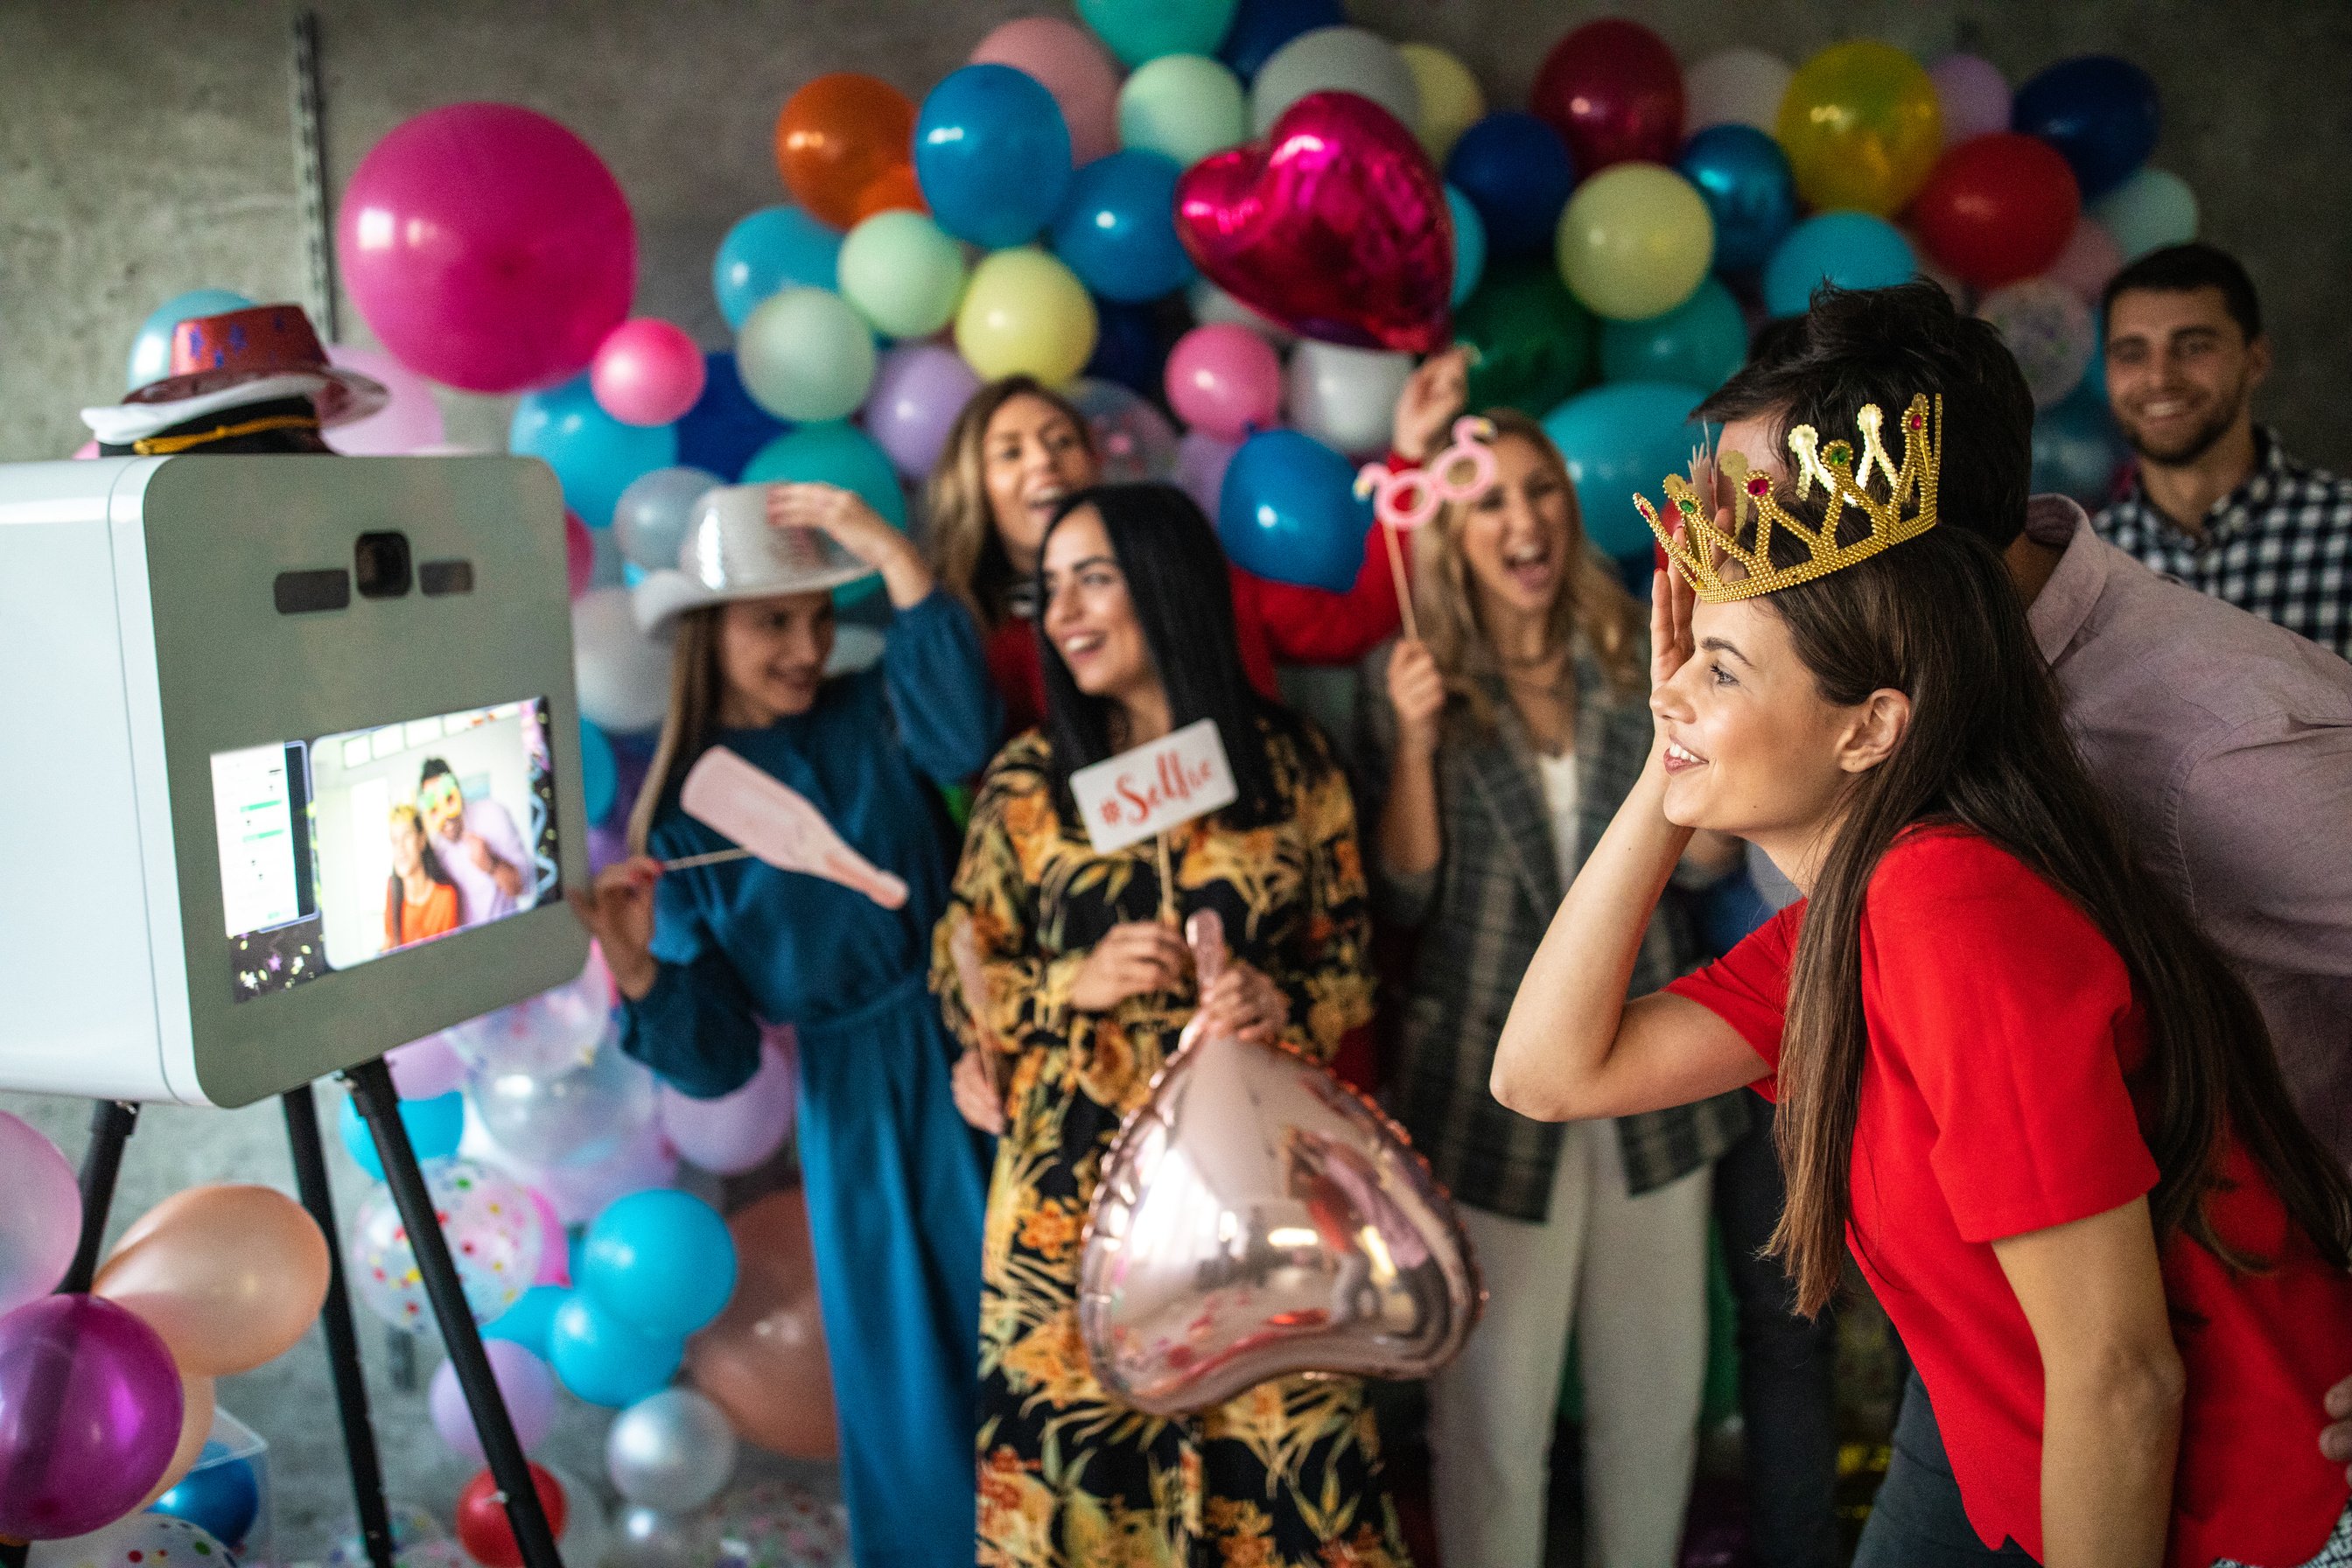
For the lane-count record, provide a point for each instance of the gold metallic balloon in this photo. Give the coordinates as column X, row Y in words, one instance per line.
column 1861, row 127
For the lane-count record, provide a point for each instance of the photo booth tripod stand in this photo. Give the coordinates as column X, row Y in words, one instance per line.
column 378, row 1103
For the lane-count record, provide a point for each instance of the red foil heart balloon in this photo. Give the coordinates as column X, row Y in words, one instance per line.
column 1335, row 226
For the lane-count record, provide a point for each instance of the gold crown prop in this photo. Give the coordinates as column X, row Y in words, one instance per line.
column 1907, row 510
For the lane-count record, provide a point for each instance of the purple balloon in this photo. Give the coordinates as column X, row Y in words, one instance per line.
column 426, row 1068
column 579, row 1193
column 527, row 1384
column 918, row 390
column 1972, row 95
column 90, row 1406
column 41, row 1222
column 737, row 1132
column 1201, row 461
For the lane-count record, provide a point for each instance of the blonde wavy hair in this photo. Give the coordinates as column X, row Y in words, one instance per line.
column 965, row 554
column 1591, row 601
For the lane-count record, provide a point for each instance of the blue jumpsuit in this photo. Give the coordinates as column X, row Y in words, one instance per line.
column 895, row 1179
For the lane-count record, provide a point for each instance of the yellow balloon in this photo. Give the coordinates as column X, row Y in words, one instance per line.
column 1025, row 313
column 1861, row 127
column 1635, row 241
column 1450, row 100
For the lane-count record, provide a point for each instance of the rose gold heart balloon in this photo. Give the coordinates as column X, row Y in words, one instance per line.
column 1257, row 1219
column 1335, row 225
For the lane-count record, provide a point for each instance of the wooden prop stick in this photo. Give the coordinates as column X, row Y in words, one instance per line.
column 1404, row 590
column 1167, row 884
column 715, row 857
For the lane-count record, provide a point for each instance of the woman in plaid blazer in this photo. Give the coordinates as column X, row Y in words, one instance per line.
column 1498, row 746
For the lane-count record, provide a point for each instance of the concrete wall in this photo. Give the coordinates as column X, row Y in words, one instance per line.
column 146, row 148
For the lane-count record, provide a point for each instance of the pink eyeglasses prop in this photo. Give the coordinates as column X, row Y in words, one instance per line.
column 1410, row 497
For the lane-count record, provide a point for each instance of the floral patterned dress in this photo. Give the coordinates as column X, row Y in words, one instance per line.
column 1288, row 1474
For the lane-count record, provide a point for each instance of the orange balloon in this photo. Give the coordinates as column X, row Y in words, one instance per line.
column 897, row 190
column 836, row 136
column 230, row 1275
column 195, row 1425
column 762, row 1360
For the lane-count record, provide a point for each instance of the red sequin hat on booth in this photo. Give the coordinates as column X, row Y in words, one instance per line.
column 253, row 355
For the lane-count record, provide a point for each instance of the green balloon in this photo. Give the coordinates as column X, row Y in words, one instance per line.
column 1142, row 30
column 1534, row 341
column 805, row 355
column 1186, row 106
column 1697, row 343
column 903, row 273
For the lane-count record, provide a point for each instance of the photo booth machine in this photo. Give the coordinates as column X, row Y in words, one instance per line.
column 197, row 648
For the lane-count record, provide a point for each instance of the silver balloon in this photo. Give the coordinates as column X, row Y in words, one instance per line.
column 649, row 524
column 647, row 1538
column 550, row 1032
column 673, row 1451
column 577, row 1117
column 1256, row 1219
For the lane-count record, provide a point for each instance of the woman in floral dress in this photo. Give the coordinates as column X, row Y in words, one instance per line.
column 1079, row 990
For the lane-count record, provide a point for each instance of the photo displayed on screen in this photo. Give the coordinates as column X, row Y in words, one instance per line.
column 339, row 850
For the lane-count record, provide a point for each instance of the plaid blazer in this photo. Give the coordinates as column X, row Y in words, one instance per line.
column 1481, row 914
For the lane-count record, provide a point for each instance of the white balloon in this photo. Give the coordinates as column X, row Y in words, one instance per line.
column 649, row 524
column 1738, row 86
column 1212, row 305
column 647, row 1538
column 130, row 1541
column 671, row 1451
column 587, row 1539
column 624, row 675
column 1345, row 397
column 1346, row 59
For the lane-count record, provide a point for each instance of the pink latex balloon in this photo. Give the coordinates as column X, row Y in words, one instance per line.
column 1334, row 226
column 90, row 1407
column 647, row 372
column 528, row 1385
column 1072, row 66
column 1224, row 381
column 1201, row 461
column 426, row 1069
column 737, row 1132
column 488, row 247
column 408, row 422
column 41, row 1221
column 88, row 449
column 579, row 554
column 1971, row 94
column 2090, row 259
column 579, row 1193
column 554, row 1247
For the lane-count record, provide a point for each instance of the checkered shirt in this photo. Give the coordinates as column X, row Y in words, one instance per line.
column 2279, row 545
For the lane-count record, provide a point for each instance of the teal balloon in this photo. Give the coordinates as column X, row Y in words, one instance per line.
column 1744, row 178
column 2148, row 211
column 1469, row 245
column 1139, row 31
column 599, row 1357
column 661, row 1261
column 992, row 155
column 1699, row 343
column 222, row 1496
column 530, row 1321
column 600, row 774
column 2077, row 451
column 1618, row 439
column 835, row 454
column 1850, row 250
column 1116, row 229
column 151, row 350
column 595, row 456
column 434, row 1128
column 772, row 250
column 1288, row 511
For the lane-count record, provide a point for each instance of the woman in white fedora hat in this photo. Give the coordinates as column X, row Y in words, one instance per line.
column 895, row 1179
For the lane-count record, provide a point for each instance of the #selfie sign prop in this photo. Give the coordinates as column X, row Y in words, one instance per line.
column 1150, row 789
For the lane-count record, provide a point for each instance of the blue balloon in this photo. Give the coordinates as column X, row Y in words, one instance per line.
column 1743, row 177
column 595, row 456
column 1130, row 348
column 1728, row 911
column 1469, row 245
column 1850, row 250
column 724, row 428
column 834, row 453
column 151, row 349
column 434, row 1128
column 2077, row 451
column 221, row 1495
column 2100, row 112
column 768, row 252
column 1515, row 171
column 1699, row 342
column 1618, row 439
column 661, row 1261
column 993, row 155
column 1117, row 227
column 1262, row 26
column 530, row 1322
column 600, row 775
column 602, row 1360
column 1288, row 511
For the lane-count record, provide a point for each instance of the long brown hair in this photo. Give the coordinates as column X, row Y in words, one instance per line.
column 1937, row 620
column 695, row 685
column 1591, row 600
column 966, row 555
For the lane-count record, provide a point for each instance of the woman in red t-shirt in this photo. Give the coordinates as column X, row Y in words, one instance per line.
column 419, row 898
column 2010, row 1072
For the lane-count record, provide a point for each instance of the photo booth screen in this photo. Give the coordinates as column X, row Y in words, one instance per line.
column 339, row 850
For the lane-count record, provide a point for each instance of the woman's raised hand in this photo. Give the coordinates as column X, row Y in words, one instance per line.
column 1432, row 395
column 859, row 529
column 618, row 911
column 1132, row 959
column 1417, row 693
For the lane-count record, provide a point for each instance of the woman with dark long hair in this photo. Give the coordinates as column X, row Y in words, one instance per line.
column 2011, row 1075
column 1079, row 992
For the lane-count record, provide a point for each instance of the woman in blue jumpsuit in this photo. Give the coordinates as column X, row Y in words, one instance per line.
column 895, row 1181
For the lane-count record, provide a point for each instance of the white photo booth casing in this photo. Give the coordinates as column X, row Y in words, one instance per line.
column 194, row 647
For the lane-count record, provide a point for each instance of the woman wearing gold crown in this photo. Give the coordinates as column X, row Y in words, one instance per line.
column 2011, row 1075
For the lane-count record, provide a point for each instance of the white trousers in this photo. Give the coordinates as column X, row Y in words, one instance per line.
column 1630, row 1274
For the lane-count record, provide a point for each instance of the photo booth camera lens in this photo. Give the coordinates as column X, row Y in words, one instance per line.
column 381, row 565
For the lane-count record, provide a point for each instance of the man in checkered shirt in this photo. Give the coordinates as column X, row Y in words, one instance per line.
column 2218, row 502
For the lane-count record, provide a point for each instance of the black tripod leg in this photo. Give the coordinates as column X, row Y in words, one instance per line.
column 342, row 1338
column 378, row 1104
column 111, row 1124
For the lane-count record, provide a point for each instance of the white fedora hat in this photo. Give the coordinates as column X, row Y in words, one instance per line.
column 732, row 552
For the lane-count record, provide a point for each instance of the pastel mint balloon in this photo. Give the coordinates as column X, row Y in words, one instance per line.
column 1187, row 106
column 903, row 273
column 804, row 354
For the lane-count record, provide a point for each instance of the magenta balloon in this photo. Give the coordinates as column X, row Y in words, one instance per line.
column 737, row 1131
column 90, row 1406
column 1224, row 380
column 1201, row 461
column 41, row 1221
column 1972, row 95
column 554, row 1246
column 647, row 372
column 426, row 1068
column 488, row 247
column 409, row 422
column 919, row 389
column 527, row 1383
